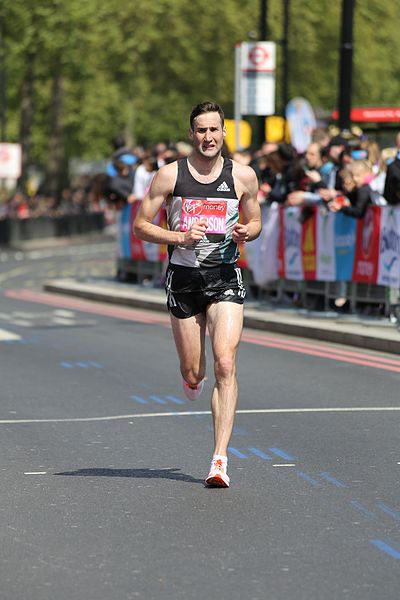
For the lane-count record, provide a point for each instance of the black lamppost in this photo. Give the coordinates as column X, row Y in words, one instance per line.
column 285, row 56
column 263, row 30
column 346, row 65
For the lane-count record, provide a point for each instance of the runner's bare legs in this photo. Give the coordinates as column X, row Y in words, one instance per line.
column 189, row 335
column 225, row 323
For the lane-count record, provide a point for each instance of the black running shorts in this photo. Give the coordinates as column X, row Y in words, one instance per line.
column 191, row 289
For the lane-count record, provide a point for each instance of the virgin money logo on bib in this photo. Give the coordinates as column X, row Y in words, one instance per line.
column 214, row 211
column 192, row 207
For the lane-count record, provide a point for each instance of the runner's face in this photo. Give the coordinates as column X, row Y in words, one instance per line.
column 208, row 135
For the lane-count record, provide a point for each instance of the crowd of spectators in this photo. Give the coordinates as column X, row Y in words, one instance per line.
column 76, row 200
column 336, row 172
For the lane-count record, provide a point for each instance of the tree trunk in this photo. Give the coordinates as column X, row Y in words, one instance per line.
column 26, row 120
column 55, row 161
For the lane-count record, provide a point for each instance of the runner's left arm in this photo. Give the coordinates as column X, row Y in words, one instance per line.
column 247, row 185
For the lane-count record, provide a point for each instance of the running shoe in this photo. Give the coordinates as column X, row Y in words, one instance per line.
column 218, row 477
column 192, row 391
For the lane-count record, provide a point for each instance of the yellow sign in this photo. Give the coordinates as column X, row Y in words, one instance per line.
column 276, row 130
column 244, row 134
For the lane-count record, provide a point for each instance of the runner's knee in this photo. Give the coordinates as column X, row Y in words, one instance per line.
column 224, row 368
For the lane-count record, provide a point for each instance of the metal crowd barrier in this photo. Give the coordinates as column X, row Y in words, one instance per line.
column 321, row 294
column 17, row 230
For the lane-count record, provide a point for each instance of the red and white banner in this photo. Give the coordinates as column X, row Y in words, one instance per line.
column 365, row 267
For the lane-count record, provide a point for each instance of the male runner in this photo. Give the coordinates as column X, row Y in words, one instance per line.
column 203, row 284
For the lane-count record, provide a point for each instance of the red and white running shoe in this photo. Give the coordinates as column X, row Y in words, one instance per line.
column 218, row 476
column 192, row 392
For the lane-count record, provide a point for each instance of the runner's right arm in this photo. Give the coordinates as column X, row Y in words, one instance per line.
column 161, row 188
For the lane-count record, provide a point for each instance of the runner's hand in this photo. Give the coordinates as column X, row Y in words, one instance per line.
column 240, row 233
column 196, row 232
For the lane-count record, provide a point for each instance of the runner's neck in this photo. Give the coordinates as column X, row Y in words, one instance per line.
column 205, row 171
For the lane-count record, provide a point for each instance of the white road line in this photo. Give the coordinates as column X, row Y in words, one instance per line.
column 23, row 315
column 6, row 336
column 64, row 313
column 255, row 411
column 36, row 473
column 22, row 322
column 63, row 321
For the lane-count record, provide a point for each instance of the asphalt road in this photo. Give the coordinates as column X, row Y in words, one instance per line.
column 103, row 459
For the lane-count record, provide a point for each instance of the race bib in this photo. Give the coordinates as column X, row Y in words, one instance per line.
column 214, row 211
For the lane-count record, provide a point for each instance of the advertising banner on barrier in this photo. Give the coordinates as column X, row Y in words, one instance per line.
column 389, row 248
column 309, row 248
column 345, row 241
column 281, row 241
column 262, row 253
column 123, row 232
column 292, row 245
column 137, row 246
column 326, row 256
column 346, row 249
column 367, row 246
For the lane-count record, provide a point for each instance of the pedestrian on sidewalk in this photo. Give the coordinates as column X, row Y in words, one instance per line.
column 202, row 194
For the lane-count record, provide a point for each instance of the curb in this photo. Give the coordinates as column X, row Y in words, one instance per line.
column 383, row 339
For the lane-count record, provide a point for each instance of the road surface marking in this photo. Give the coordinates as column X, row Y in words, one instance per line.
column 381, row 545
column 255, row 411
column 7, row 336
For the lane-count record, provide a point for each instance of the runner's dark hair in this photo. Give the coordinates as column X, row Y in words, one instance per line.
column 205, row 107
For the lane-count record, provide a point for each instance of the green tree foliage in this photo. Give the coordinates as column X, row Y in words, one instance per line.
column 138, row 67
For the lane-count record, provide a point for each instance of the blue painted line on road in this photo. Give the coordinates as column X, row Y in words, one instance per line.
column 362, row 509
column 158, row 400
column 82, row 365
column 175, row 399
column 139, row 399
column 66, row 365
column 260, row 453
column 309, row 479
column 95, row 364
column 237, row 452
column 388, row 510
column 384, row 547
column 328, row 477
column 281, row 453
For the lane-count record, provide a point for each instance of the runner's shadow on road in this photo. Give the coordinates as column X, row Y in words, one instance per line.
column 173, row 474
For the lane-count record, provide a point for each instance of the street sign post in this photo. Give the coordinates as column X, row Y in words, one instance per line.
column 10, row 161
column 257, row 78
column 254, row 81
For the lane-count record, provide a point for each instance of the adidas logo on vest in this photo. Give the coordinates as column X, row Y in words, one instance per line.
column 223, row 187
